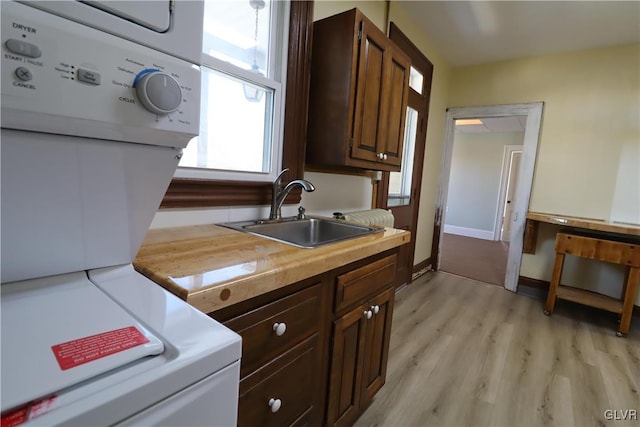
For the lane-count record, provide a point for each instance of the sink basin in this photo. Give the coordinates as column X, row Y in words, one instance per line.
column 304, row 233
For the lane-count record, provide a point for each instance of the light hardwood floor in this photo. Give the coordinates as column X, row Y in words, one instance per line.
column 465, row 353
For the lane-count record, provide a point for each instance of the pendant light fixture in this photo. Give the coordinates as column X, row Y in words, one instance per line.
column 251, row 92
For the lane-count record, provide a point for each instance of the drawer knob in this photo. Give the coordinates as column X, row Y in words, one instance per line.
column 275, row 404
column 368, row 314
column 384, row 157
column 280, row 328
column 375, row 309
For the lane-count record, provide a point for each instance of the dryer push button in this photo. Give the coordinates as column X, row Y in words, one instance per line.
column 23, row 74
column 88, row 76
column 20, row 47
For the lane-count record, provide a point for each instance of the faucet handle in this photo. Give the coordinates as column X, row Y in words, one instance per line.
column 301, row 211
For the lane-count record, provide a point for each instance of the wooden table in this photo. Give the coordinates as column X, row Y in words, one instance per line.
column 600, row 249
column 572, row 222
column 601, row 240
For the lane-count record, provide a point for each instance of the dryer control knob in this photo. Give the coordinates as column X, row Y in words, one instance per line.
column 158, row 92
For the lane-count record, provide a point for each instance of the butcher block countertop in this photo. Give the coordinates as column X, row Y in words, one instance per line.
column 586, row 223
column 212, row 267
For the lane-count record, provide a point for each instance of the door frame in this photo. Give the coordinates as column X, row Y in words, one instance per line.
column 533, row 111
column 504, row 182
column 420, row 102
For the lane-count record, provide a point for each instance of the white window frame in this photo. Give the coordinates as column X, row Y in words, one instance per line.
column 278, row 82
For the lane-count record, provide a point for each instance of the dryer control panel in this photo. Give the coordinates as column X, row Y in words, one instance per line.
column 62, row 77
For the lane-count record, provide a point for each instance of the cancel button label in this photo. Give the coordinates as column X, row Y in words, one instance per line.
column 24, row 85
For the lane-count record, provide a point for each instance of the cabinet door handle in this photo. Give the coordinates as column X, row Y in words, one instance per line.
column 384, row 157
column 280, row 328
column 375, row 309
column 380, row 155
column 368, row 314
column 275, row 404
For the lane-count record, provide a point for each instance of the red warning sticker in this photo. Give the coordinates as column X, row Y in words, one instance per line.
column 29, row 412
column 84, row 350
column 15, row 418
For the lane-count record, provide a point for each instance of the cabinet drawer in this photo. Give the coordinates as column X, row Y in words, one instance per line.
column 290, row 388
column 261, row 342
column 356, row 285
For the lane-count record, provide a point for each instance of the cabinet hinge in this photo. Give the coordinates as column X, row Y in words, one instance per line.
column 360, row 34
column 350, row 143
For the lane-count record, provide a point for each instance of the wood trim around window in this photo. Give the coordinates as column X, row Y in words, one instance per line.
column 190, row 193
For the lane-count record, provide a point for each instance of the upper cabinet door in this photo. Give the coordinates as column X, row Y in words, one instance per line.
column 395, row 105
column 368, row 123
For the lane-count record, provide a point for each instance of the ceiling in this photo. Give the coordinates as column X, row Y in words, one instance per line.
column 474, row 32
column 495, row 125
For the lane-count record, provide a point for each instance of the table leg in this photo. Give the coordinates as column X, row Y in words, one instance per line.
column 630, row 287
column 555, row 282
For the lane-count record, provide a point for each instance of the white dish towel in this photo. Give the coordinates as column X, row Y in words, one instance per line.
column 379, row 217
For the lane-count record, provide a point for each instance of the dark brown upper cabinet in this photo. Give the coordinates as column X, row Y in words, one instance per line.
column 358, row 95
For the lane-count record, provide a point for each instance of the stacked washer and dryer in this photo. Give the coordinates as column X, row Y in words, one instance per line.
column 98, row 100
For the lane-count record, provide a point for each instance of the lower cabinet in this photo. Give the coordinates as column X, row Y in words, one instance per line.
column 359, row 358
column 283, row 351
column 315, row 353
column 285, row 396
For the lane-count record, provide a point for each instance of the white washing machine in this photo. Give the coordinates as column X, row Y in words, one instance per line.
column 113, row 348
column 93, row 125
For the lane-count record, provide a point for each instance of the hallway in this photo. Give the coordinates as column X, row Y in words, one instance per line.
column 478, row 259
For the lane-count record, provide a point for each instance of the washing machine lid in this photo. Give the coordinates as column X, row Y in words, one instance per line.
column 152, row 14
column 63, row 330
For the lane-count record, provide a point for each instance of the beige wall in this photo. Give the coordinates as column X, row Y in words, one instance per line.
column 588, row 161
column 590, row 124
column 377, row 12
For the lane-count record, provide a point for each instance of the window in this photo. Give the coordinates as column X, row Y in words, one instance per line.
column 416, row 80
column 242, row 110
column 400, row 182
column 194, row 193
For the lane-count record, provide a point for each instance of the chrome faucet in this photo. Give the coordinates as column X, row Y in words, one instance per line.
column 279, row 193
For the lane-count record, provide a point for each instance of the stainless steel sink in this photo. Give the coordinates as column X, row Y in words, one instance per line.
column 304, row 233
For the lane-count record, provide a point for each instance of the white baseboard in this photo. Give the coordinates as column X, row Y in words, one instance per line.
column 469, row 232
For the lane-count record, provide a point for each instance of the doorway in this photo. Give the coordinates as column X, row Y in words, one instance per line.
column 521, row 187
column 484, row 157
column 508, row 196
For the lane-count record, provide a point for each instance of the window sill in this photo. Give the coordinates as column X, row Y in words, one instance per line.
column 190, row 193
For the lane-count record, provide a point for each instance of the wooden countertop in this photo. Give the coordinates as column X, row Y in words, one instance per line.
column 212, row 267
column 586, row 223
